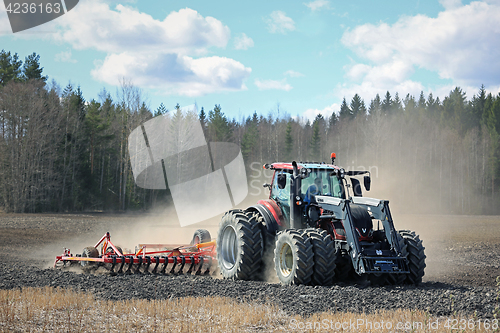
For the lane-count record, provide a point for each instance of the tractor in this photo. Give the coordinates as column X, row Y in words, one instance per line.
column 316, row 228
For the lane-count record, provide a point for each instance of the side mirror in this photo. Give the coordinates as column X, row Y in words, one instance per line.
column 281, row 181
column 367, row 181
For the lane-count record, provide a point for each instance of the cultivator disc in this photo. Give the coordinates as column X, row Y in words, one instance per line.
column 195, row 259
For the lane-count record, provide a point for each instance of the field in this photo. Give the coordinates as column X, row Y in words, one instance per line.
column 463, row 261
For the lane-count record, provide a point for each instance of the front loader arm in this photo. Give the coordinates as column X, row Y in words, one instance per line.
column 342, row 211
column 380, row 211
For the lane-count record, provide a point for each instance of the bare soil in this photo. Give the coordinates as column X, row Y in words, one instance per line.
column 463, row 261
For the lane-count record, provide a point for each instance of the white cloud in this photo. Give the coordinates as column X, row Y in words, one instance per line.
column 93, row 24
column 278, row 22
column 450, row 4
column 292, row 73
column 273, row 85
column 318, row 4
column 460, row 44
column 173, row 73
column 243, row 42
column 168, row 55
column 310, row 114
column 64, row 56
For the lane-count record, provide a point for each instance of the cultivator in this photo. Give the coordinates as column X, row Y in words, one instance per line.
column 198, row 258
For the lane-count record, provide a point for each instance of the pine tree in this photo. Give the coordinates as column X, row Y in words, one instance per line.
column 387, row 104
column 32, row 69
column 144, row 111
column 478, row 107
column 315, row 146
column 455, row 110
column 345, row 113
column 288, row 141
column 160, row 111
column 431, row 103
column 358, row 108
column 375, row 106
column 489, row 118
column 10, row 67
column 334, row 119
column 203, row 120
column 397, row 105
column 410, row 104
column 219, row 128
column 496, row 111
column 422, row 104
column 250, row 138
column 78, row 102
column 95, row 125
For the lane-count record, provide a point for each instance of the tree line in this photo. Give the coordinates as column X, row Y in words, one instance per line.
column 60, row 152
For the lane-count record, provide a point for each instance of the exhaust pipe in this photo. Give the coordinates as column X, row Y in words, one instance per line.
column 295, row 222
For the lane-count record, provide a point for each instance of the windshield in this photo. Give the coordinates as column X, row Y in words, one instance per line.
column 320, row 182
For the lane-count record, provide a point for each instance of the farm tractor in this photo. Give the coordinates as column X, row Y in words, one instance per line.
column 317, row 228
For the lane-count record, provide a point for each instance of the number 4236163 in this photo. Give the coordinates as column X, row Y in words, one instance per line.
column 33, row 8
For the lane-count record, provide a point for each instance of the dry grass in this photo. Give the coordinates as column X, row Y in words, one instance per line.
column 62, row 310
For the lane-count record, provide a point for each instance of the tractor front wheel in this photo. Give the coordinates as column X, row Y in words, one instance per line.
column 416, row 256
column 293, row 257
column 398, row 279
column 324, row 256
column 239, row 246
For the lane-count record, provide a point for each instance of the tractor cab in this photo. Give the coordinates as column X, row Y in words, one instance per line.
column 295, row 187
column 315, row 179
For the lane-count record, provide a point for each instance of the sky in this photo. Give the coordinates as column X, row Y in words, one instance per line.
column 287, row 58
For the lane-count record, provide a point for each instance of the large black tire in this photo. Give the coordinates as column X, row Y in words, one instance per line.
column 266, row 271
column 201, row 236
column 378, row 279
column 89, row 252
column 239, row 246
column 416, row 257
column 324, row 256
column 398, row 279
column 343, row 268
column 293, row 257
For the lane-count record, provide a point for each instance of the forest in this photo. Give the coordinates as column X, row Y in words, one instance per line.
column 62, row 153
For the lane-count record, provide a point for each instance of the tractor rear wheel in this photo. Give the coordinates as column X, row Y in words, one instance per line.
column 268, row 247
column 293, row 257
column 239, row 246
column 89, row 252
column 416, row 257
column 324, row 256
column 201, row 236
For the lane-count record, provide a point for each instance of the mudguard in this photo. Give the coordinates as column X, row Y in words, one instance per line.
column 271, row 213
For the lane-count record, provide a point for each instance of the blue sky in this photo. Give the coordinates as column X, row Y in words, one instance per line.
column 255, row 56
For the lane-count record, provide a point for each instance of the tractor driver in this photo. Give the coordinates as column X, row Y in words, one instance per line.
column 314, row 189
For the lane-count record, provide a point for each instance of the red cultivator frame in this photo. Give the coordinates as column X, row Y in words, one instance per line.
column 199, row 257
